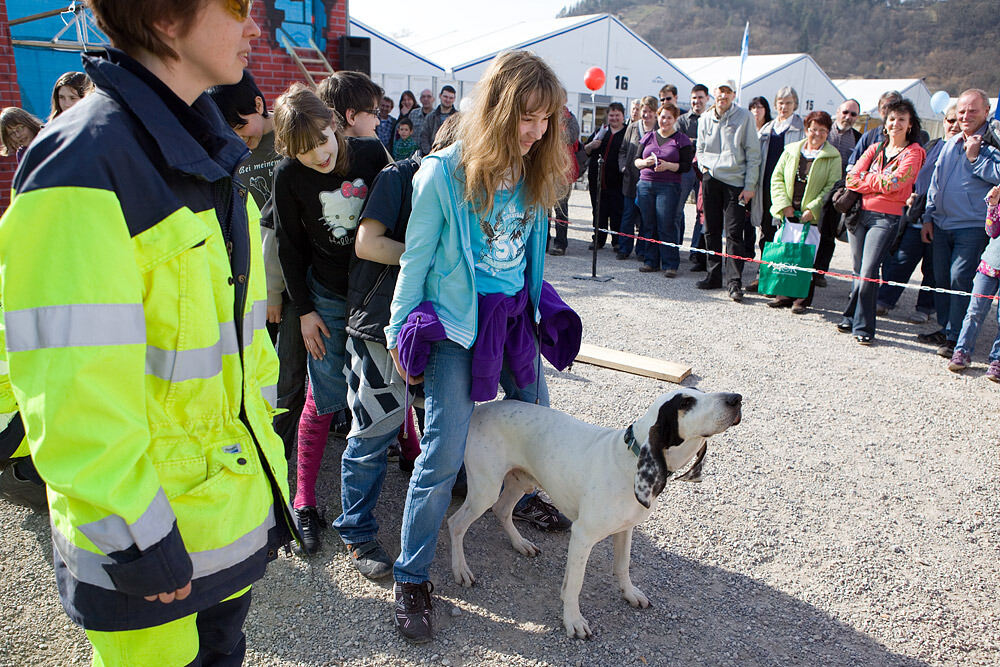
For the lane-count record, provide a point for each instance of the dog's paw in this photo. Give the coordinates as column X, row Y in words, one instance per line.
column 577, row 627
column 635, row 597
column 463, row 575
column 526, row 547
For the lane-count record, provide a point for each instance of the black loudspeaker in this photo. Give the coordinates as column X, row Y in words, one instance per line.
column 356, row 54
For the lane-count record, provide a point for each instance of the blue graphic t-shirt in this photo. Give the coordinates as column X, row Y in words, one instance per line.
column 498, row 244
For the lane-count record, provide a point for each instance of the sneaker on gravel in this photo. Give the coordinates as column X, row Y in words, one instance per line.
column 18, row 489
column 993, row 372
column 412, row 614
column 370, row 559
column 309, row 527
column 934, row 338
column 946, row 349
column 541, row 515
column 736, row 292
column 959, row 361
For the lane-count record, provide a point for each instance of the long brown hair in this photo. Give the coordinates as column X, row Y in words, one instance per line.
column 516, row 83
column 78, row 81
column 300, row 117
column 11, row 117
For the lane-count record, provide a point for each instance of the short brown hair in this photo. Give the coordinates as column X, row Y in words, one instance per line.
column 129, row 23
column 9, row 119
column 670, row 108
column 300, row 117
column 820, row 117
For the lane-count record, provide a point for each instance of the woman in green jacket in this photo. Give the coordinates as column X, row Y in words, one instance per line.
column 805, row 173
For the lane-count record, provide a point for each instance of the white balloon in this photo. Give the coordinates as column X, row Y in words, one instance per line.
column 939, row 101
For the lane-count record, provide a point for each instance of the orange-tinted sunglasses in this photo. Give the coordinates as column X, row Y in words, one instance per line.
column 239, row 8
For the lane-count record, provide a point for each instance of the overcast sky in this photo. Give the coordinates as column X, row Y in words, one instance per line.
column 411, row 21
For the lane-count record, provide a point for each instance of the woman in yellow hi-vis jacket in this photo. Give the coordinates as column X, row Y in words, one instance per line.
column 133, row 286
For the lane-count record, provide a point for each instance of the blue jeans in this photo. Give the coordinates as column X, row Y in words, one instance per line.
column 326, row 375
column 688, row 183
column 447, row 383
column 979, row 308
column 658, row 203
column 870, row 242
column 956, row 257
column 899, row 267
column 631, row 223
column 362, row 471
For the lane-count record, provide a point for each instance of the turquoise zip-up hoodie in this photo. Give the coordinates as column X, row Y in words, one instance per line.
column 437, row 265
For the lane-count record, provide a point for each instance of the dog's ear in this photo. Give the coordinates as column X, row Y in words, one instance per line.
column 694, row 474
column 651, row 471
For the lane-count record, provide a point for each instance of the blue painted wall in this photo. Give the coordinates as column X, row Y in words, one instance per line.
column 38, row 69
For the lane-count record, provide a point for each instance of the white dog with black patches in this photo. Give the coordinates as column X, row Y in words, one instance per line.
column 605, row 480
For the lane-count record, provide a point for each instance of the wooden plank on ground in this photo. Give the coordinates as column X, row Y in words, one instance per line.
column 632, row 363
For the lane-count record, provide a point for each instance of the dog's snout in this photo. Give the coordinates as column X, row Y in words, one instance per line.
column 734, row 400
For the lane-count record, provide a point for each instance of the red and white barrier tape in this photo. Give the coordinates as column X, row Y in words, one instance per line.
column 778, row 265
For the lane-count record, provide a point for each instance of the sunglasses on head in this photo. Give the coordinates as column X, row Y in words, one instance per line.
column 239, row 8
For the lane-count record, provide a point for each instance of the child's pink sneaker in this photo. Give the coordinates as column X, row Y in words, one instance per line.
column 993, row 372
column 959, row 361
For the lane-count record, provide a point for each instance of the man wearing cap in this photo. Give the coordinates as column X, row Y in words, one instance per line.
column 728, row 154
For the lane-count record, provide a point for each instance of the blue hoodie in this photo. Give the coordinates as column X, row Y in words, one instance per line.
column 437, row 265
column 955, row 199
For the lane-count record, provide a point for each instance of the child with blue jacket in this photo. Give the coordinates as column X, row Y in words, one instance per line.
column 477, row 230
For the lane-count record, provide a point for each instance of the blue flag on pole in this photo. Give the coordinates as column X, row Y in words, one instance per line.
column 744, row 50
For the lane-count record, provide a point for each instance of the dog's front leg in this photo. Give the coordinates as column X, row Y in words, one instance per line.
column 580, row 546
column 623, row 551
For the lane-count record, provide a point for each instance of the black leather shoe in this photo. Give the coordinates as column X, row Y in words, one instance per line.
column 736, row 292
column 708, row 284
column 863, row 340
column 845, row 327
column 933, row 338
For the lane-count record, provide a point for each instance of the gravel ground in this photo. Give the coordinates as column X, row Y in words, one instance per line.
column 851, row 519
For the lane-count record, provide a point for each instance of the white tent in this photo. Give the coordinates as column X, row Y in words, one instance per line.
column 396, row 67
column 867, row 92
column 764, row 75
column 570, row 46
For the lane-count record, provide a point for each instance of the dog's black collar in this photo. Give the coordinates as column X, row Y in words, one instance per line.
column 631, row 442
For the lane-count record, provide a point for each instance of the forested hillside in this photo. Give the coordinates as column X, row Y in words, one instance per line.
column 953, row 44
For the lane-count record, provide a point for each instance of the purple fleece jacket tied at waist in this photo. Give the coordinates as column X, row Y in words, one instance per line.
column 505, row 333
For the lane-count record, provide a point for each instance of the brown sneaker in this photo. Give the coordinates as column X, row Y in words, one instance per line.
column 412, row 615
column 541, row 515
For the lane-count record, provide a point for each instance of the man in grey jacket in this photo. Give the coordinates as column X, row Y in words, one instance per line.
column 728, row 154
column 436, row 118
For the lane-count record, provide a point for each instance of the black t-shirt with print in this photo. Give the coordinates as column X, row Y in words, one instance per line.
column 256, row 173
column 316, row 217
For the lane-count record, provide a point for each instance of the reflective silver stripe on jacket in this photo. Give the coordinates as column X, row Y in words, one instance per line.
column 270, row 393
column 75, row 325
column 253, row 321
column 204, row 362
column 112, row 534
column 88, row 567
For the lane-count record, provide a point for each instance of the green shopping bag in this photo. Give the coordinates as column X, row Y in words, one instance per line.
column 784, row 280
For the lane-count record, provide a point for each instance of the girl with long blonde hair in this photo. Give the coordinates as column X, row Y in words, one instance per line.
column 475, row 247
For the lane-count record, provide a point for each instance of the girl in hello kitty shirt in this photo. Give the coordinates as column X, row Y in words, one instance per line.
column 319, row 189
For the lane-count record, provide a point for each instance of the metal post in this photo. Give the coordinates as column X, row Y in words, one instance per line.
column 597, row 216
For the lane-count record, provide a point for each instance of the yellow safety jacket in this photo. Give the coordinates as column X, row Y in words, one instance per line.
column 135, row 307
column 11, row 429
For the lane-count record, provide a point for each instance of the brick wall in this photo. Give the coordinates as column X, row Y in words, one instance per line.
column 273, row 69
column 10, row 96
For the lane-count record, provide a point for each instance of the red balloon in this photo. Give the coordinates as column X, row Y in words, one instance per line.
column 594, row 78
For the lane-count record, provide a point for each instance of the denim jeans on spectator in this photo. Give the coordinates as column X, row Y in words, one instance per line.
column 658, row 202
column 899, row 266
column 723, row 212
column 870, row 243
column 362, row 471
column 447, row 384
column 558, row 238
column 326, row 375
column 631, row 224
column 956, row 257
column 291, row 373
column 979, row 308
